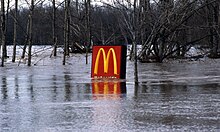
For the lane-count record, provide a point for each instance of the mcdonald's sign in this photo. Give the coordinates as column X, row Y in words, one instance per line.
column 109, row 62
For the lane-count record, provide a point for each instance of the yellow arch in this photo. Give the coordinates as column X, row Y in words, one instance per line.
column 106, row 60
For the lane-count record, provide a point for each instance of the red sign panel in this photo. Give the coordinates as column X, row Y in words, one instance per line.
column 107, row 62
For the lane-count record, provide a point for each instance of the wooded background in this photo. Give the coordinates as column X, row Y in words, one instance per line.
column 164, row 28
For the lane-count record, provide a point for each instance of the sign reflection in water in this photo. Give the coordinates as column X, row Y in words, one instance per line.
column 108, row 95
column 108, row 88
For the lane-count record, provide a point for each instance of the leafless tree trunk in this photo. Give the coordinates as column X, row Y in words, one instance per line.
column 134, row 42
column 15, row 31
column 54, row 29
column 3, row 31
column 186, row 34
column 87, row 28
column 26, row 38
column 4, row 48
column 216, row 27
column 218, row 23
column 66, row 30
column 6, row 25
column 213, row 14
column 145, row 19
column 211, row 32
column 213, row 24
column 30, row 32
column 130, row 21
column 77, row 7
column 166, row 9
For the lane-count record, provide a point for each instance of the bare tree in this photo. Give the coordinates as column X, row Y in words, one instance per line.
column 26, row 38
column 145, row 18
column 213, row 23
column 54, row 28
column 130, row 17
column 87, row 28
column 30, row 31
column 6, row 29
column 66, row 30
column 134, row 41
column 170, row 19
column 3, row 31
column 15, row 31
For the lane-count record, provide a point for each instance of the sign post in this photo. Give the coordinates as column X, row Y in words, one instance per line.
column 109, row 62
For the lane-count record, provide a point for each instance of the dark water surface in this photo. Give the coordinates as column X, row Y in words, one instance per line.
column 51, row 97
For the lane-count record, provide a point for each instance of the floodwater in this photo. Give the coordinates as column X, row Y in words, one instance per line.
column 173, row 96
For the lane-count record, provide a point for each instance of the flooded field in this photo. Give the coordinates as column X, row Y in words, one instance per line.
column 173, row 96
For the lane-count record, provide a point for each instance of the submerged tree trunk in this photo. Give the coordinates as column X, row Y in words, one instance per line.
column 26, row 38
column 65, row 27
column 135, row 63
column 88, row 28
column 216, row 27
column 3, row 31
column 65, row 32
column 30, row 33
column 54, row 29
column 15, row 31
column 6, row 25
column 210, row 20
column 131, row 51
column 212, row 16
column 134, row 41
column 68, row 28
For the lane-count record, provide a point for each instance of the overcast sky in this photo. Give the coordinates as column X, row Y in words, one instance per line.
column 25, row 3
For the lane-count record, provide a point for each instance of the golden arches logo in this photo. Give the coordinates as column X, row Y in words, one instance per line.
column 106, row 60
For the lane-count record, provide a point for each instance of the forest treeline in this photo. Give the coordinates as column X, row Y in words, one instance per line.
column 164, row 28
